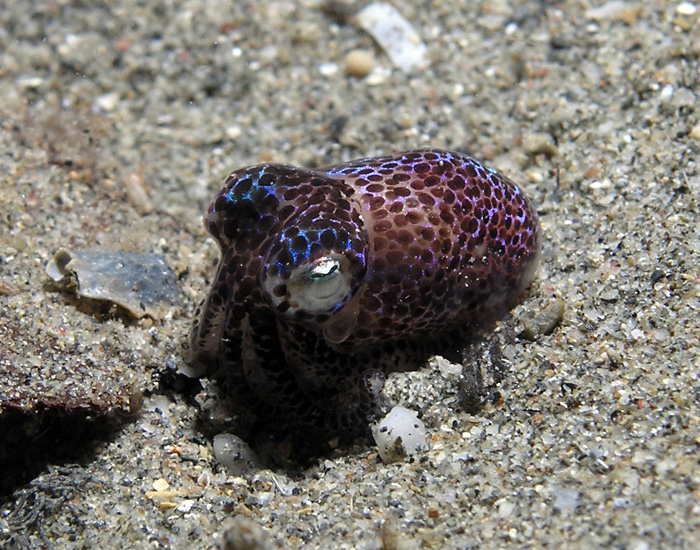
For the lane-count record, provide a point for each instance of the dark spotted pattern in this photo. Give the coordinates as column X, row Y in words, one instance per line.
column 331, row 279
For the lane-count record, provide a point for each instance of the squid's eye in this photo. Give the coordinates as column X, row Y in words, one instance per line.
column 323, row 269
column 321, row 285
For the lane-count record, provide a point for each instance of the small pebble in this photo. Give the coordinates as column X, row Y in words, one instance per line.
column 242, row 533
column 185, row 506
column 359, row 63
column 666, row 92
column 234, row 454
column 233, row 132
column 638, row 544
column 161, row 484
column 394, row 537
column 695, row 132
column 328, row 69
column 400, row 434
column 30, row 83
column 684, row 97
column 540, row 143
column 686, row 8
column 108, row 101
column 565, row 499
column 541, row 316
column 138, row 197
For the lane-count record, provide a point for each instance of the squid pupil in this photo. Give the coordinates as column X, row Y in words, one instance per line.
column 316, row 274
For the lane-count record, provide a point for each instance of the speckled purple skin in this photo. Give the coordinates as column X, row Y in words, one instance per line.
column 331, row 279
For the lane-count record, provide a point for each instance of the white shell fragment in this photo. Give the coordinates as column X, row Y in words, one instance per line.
column 395, row 35
column 610, row 11
column 142, row 284
column 400, row 434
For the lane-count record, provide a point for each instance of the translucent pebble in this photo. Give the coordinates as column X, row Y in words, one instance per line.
column 234, row 454
column 565, row 499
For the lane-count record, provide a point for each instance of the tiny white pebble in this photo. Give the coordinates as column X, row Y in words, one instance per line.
column 667, row 91
column 686, row 8
column 233, row 132
column 107, row 102
column 30, row 82
column 328, row 69
column 185, row 506
column 378, row 76
column 400, row 434
column 160, row 485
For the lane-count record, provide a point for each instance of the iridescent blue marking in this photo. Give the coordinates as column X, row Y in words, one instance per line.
column 298, row 256
column 257, row 191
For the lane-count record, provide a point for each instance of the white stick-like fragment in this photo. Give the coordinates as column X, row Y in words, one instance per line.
column 395, row 35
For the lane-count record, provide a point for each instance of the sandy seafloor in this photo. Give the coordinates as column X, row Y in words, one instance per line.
column 595, row 440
